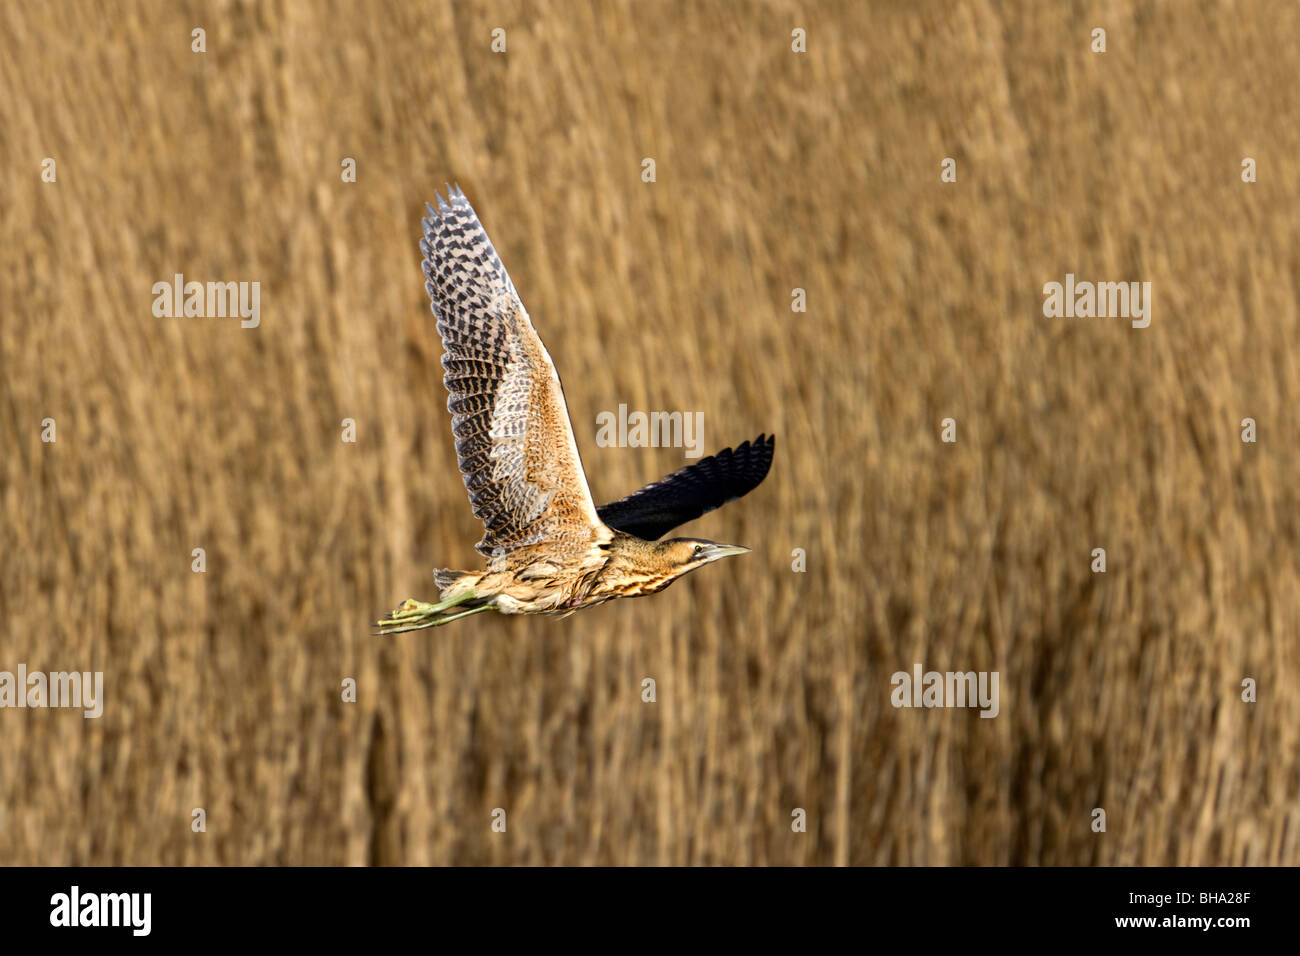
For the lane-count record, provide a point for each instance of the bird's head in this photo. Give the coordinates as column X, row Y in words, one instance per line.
column 687, row 554
column 645, row 567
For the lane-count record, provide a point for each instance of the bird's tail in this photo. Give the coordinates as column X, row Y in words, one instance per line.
column 458, row 600
column 455, row 583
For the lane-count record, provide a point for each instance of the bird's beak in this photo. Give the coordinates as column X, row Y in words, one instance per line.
column 724, row 551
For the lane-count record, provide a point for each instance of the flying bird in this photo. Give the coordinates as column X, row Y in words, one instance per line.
column 549, row 549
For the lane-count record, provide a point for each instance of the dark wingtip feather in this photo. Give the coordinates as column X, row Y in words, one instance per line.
column 692, row 491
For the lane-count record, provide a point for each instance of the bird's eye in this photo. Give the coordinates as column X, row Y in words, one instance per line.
column 699, row 549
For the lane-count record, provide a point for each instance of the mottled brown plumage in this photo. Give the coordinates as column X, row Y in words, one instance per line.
column 549, row 549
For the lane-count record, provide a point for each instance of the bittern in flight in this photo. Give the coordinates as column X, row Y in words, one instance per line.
column 549, row 549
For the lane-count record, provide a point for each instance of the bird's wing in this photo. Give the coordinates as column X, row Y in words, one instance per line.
column 513, row 436
column 693, row 491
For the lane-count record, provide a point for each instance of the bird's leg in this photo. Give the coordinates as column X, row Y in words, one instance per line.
column 413, row 615
column 411, row 608
column 421, row 621
column 474, row 610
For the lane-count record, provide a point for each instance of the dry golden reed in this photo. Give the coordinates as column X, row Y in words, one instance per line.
column 775, row 171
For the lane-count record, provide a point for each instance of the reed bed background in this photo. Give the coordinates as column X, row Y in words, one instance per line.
column 774, row 171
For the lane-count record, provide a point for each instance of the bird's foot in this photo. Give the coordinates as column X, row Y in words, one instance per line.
column 413, row 615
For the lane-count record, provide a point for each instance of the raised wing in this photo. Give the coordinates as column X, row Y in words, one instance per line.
column 693, row 491
column 513, row 437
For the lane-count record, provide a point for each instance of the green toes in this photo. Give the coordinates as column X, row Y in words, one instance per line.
column 413, row 615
